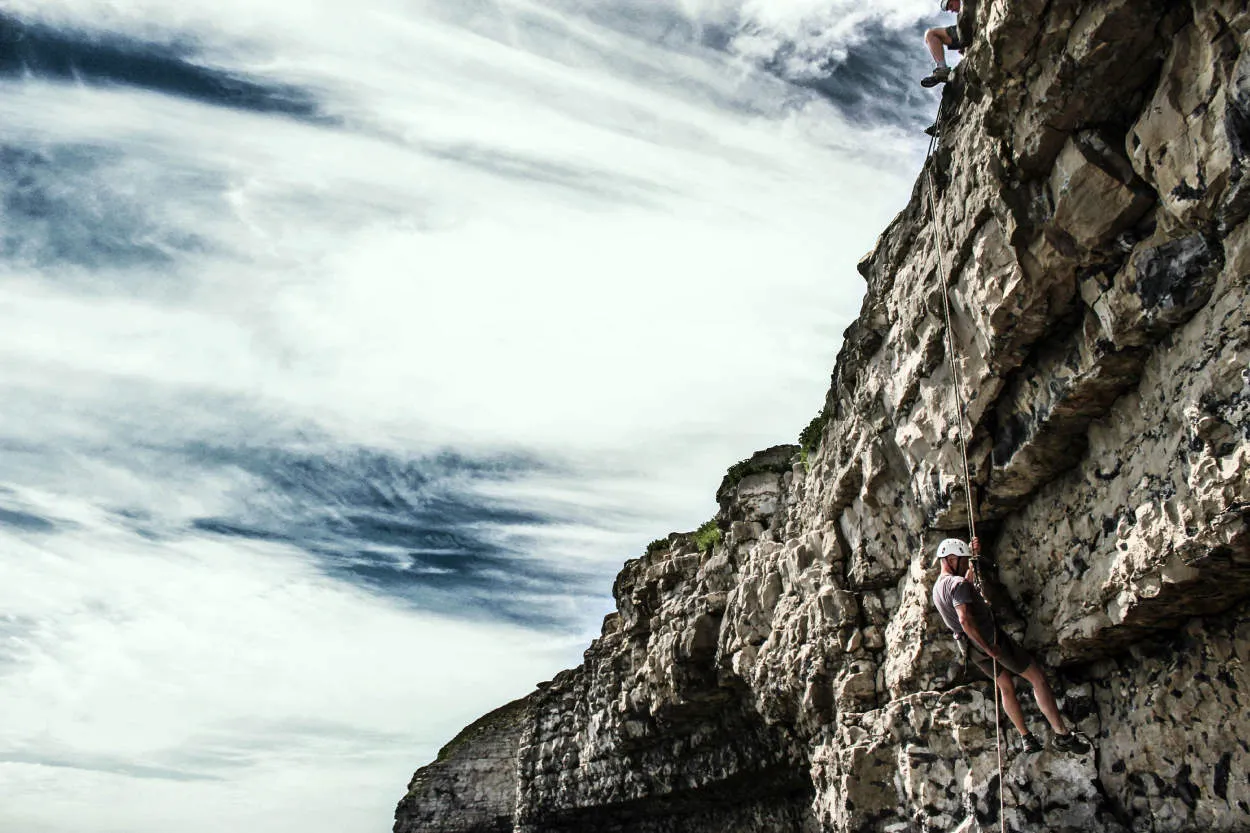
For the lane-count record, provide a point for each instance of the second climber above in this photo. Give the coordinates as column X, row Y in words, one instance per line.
column 940, row 39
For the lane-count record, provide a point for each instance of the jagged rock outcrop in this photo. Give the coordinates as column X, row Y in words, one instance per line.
column 1092, row 201
column 472, row 787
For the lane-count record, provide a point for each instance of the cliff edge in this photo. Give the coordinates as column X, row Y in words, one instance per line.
column 1092, row 199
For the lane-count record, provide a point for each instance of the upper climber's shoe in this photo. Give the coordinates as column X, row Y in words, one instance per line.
column 1070, row 742
column 931, row 130
column 940, row 75
column 1030, row 743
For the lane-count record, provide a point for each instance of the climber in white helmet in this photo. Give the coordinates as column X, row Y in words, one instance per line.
column 939, row 39
column 968, row 615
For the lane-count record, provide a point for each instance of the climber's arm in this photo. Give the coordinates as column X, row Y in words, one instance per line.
column 968, row 623
column 975, row 546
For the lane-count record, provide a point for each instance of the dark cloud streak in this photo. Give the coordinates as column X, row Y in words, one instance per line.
column 872, row 80
column 603, row 184
column 35, row 49
column 107, row 766
column 70, row 204
column 877, row 80
column 409, row 528
column 27, row 522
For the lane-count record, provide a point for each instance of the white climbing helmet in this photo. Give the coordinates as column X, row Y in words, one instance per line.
column 952, row 546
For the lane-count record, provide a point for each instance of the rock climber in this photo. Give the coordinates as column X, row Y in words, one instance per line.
column 939, row 40
column 968, row 615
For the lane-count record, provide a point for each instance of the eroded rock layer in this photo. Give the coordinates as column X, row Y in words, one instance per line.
column 472, row 787
column 1092, row 198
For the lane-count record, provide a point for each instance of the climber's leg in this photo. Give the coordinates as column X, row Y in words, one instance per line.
column 1064, row 740
column 1011, row 704
column 936, row 40
column 1045, row 698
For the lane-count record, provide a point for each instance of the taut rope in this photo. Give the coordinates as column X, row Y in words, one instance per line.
column 957, row 398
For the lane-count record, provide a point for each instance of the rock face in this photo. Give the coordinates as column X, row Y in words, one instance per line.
column 1092, row 200
column 472, row 786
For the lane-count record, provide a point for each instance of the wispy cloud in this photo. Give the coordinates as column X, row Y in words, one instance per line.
column 349, row 349
column 201, row 660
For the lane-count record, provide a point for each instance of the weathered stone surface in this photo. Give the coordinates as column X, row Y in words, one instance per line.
column 697, row 755
column 472, row 786
column 1166, row 697
column 1096, row 194
column 1092, row 204
column 751, row 491
column 1180, row 144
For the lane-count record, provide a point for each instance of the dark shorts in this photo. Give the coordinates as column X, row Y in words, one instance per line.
column 953, row 33
column 1011, row 656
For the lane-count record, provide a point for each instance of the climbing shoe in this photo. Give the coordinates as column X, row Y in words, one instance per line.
column 1070, row 743
column 1030, row 743
column 940, row 75
column 931, row 130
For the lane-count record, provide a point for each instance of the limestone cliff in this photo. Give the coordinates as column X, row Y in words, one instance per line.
column 1092, row 200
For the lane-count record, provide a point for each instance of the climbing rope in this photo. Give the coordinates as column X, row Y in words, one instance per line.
column 957, row 390
column 957, row 397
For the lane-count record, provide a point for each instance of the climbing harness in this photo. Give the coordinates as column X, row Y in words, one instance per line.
column 957, row 397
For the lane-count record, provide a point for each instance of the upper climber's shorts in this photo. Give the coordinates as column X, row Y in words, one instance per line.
column 1011, row 656
column 952, row 32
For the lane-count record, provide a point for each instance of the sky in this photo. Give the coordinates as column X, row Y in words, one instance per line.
column 349, row 349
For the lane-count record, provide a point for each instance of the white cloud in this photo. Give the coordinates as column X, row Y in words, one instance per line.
column 494, row 309
column 158, row 670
